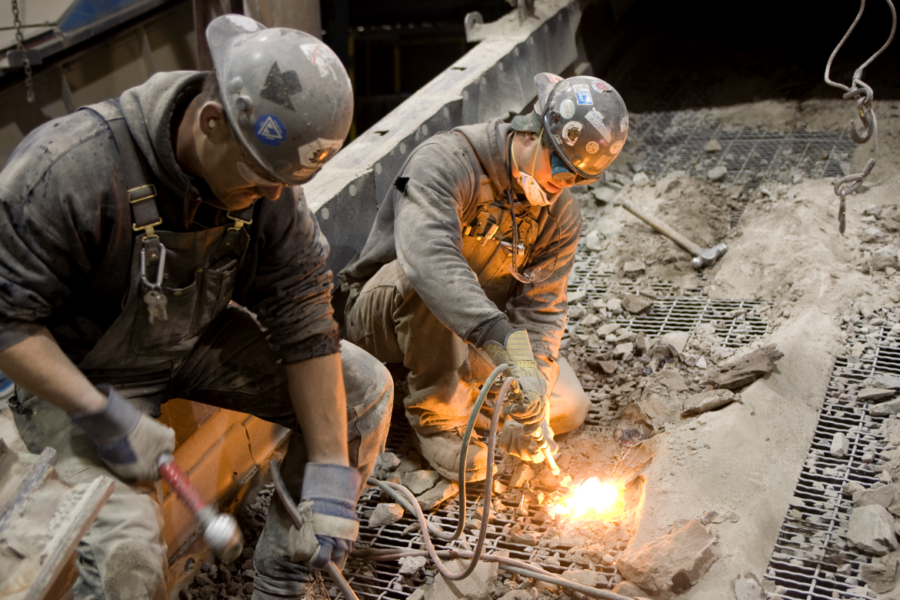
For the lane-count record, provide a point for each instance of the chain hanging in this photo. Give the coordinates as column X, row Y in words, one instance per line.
column 20, row 46
column 864, row 95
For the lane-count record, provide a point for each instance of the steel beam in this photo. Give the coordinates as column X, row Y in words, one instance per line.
column 493, row 80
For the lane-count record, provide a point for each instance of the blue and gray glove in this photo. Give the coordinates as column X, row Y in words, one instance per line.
column 327, row 505
column 128, row 441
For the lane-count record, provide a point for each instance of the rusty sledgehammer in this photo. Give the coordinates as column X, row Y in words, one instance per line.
column 702, row 257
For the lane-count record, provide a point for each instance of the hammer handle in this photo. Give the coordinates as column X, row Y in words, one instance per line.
column 663, row 228
column 179, row 482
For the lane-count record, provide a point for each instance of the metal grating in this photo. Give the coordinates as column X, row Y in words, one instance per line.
column 383, row 581
column 812, row 559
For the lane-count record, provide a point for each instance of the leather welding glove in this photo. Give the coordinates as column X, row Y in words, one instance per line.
column 128, row 441
column 530, row 390
column 327, row 505
column 529, row 448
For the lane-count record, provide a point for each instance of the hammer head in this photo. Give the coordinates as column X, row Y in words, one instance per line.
column 709, row 257
column 222, row 534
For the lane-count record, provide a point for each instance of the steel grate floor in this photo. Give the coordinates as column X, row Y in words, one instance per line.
column 811, row 559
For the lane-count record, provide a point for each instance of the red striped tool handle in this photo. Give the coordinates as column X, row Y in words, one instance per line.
column 179, row 482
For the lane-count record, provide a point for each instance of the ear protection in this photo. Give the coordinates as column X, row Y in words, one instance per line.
column 212, row 123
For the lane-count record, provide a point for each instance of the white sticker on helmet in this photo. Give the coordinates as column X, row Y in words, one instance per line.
column 591, row 147
column 322, row 57
column 616, row 147
column 596, row 119
column 245, row 23
column 567, row 109
column 624, row 124
column 571, row 131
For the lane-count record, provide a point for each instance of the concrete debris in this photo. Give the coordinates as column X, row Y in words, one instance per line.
column 891, row 382
column 605, row 194
column 525, row 538
column 882, row 495
column 582, row 576
column 673, row 562
column 675, row 342
column 575, row 297
column 387, row 461
column 593, row 241
column 385, row 514
column 892, row 407
column 517, row 595
column 747, row 587
column 629, row 590
column 875, row 394
column 851, row 488
column 717, row 173
column 440, row 493
column 602, row 366
column 521, row 476
column 886, row 257
column 881, row 574
column 659, row 409
column 605, row 330
column 872, row 529
column 623, row 350
column 421, row 481
column 409, row 463
column 706, row 401
column 614, row 305
column 746, row 369
column 632, row 268
column 672, row 380
column 477, row 586
column 410, row 565
column 840, row 445
column 712, row 146
column 640, row 180
column 590, row 320
column 701, row 363
column 636, row 304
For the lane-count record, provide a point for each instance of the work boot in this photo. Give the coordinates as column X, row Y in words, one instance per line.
column 442, row 449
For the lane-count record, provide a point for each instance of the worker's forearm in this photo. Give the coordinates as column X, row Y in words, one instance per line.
column 317, row 392
column 39, row 365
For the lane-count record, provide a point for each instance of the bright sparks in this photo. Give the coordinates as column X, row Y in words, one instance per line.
column 592, row 499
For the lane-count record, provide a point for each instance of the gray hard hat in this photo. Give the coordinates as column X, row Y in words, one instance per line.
column 585, row 118
column 287, row 96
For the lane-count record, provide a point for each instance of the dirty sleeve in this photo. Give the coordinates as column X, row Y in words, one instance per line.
column 289, row 287
column 52, row 216
column 430, row 197
column 541, row 307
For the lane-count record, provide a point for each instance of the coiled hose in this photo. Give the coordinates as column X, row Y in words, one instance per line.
column 408, row 501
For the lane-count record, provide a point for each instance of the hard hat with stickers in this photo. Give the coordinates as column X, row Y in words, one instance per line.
column 287, row 96
column 585, row 119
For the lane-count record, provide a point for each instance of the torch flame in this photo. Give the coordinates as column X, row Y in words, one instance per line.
column 592, row 499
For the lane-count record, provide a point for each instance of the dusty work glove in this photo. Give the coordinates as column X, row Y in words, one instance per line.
column 530, row 448
column 128, row 441
column 530, row 391
column 327, row 505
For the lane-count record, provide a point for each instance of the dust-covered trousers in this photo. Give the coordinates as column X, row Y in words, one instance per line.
column 123, row 555
column 389, row 320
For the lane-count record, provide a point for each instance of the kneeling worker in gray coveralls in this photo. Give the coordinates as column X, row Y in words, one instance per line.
column 127, row 230
column 466, row 266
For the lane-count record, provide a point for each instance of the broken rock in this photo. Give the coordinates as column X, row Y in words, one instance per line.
column 706, row 401
column 635, row 304
column 872, row 529
column 712, row 146
column 640, row 180
column 884, row 258
column 443, row 491
column 593, row 242
column 634, row 267
column 891, row 407
column 875, row 394
column 582, row 576
column 678, row 559
column 840, row 445
column 675, row 341
column 881, row 575
column 717, row 173
column 477, row 586
column 521, row 476
column 385, row 514
column 891, row 382
column 746, row 369
column 882, row 495
column 421, row 481
column 410, row 565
